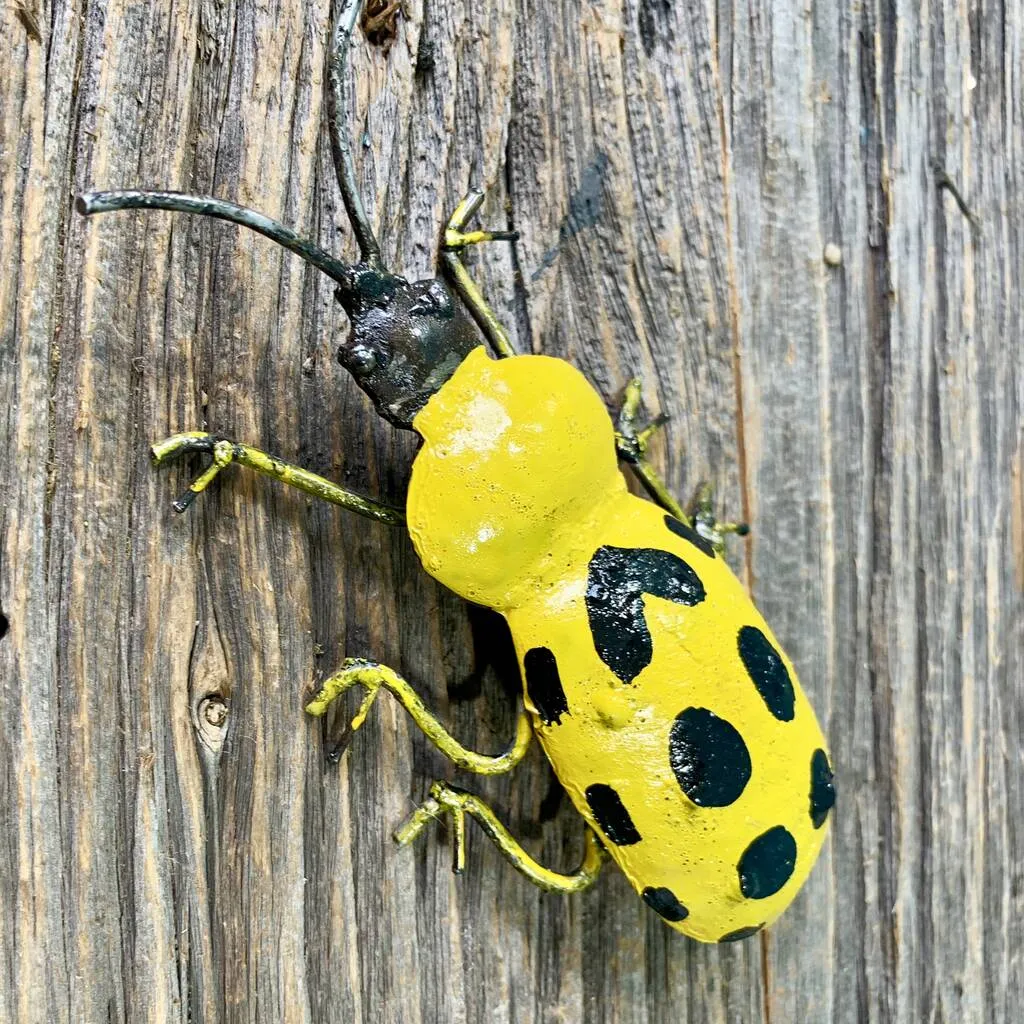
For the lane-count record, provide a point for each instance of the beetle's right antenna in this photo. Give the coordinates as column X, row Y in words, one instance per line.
column 341, row 138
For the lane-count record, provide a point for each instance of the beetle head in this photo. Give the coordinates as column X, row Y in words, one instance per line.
column 406, row 340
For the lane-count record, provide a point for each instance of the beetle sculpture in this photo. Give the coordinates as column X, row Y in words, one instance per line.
column 666, row 707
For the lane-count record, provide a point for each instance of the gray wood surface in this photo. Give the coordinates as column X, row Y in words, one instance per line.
column 676, row 170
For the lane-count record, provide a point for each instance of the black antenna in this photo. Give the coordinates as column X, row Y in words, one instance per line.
column 344, row 166
column 137, row 199
column 341, row 138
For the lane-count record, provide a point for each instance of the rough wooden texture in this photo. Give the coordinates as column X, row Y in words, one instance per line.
column 676, row 170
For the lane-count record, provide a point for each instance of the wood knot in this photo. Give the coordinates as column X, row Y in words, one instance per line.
column 211, row 720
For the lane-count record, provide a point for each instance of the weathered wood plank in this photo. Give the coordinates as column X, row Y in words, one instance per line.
column 675, row 171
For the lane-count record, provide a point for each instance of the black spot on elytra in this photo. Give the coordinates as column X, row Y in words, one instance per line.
column 742, row 933
column 709, row 757
column 767, row 863
column 611, row 814
column 663, row 901
column 617, row 580
column 544, row 685
column 768, row 672
column 688, row 533
column 823, row 792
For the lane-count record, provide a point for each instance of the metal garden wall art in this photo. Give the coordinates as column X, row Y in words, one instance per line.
column 666, row 706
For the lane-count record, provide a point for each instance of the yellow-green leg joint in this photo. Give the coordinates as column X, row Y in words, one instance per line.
column 704, row 521
column 455, row 240
column 456, row 803
column 374, row 677
column 631, row 444
column 225, row 452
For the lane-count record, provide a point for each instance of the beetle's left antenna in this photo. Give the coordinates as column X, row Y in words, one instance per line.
column 137, row 199
column 341, row 137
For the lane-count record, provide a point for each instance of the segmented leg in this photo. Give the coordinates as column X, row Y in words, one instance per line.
column 447, row 800
column 455, row 240
column 704, row 522
column 225, row 452
column 631, row 445
column 373, row 677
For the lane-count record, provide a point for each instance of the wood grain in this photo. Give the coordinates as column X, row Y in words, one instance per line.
column 675, row 171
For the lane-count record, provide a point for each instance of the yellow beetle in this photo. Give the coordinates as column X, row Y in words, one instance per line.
column 663, row 701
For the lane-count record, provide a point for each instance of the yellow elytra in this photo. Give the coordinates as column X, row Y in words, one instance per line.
column 661, row 698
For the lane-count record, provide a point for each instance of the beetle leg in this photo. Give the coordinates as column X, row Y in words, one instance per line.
column 447, row 800
column 225, row 452
column 455, row 240
column 631, row 444
column 372, row 676
column 704, row 521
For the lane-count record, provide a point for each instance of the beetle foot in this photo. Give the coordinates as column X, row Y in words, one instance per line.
column 222, row 451
column 705, row 523
column 443, row 800
column 630, row 441
column 353, row 672
column 458, row 804
column 456, row 239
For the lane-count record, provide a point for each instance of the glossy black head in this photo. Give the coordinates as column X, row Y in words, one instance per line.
column 406, row 340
